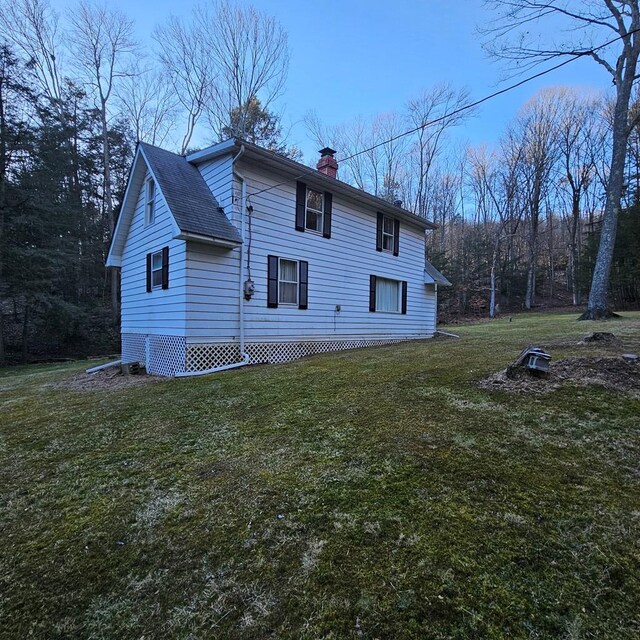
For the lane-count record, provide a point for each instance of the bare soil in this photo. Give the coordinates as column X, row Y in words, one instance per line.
column 612, row 373
column 111, row 378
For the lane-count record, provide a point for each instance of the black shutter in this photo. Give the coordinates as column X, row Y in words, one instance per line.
column 379, row 232
column 301, row 205
column 272, row 282
column 372, row 293
column 396, row 237
column 303, row 291
column 165, row 267
column 404, row 296
column 149, row 273
column 328, row 206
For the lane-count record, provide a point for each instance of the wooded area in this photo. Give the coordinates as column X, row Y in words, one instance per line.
column 519, row 223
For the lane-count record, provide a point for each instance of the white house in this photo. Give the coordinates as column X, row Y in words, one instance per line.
column 236, row 255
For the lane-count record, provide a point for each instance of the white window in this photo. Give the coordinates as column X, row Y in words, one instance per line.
column 288, row 281
column 314, row 211
column 156, row 269
column 150, row 202
column 388, row 295
column 388, row 236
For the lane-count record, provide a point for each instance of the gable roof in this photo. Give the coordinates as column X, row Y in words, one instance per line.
column 187, row 195
column 194, row 210
column 315, row 178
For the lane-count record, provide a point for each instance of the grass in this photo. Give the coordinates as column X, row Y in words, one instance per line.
column 366, row 494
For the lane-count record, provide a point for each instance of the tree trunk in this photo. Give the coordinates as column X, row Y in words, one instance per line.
column 106, row 158
column 530, row 296
column 3, row 204
column 25, row 332
column 573, row 250
column 598, row 307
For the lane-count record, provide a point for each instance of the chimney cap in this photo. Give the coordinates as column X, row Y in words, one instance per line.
column 327, row 151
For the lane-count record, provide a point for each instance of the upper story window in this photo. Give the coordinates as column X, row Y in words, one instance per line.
column 388, row 234
column 150, row 202
column 156, row 270
column 314, row 210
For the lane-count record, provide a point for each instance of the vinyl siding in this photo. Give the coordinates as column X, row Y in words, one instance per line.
column 339, row 270
column 160, row 312
column 217, row 174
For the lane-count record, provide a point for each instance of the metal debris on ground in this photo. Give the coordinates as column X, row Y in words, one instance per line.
column 535, row 359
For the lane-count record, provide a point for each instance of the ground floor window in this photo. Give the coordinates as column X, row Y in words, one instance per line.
column 288, row 281
column 387, row 295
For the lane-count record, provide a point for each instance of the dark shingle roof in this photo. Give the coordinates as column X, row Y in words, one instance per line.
column 438, row 278
column 190, row 200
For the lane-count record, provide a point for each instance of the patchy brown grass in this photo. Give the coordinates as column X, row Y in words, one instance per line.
column 369, row 494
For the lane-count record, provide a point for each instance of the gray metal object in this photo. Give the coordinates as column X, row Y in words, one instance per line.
column 534, row 359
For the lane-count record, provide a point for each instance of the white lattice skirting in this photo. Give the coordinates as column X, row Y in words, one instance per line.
column 168, row 355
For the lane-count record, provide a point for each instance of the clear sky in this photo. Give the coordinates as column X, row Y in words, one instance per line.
column 363, row 57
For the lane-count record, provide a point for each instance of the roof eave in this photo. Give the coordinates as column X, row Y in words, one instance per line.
column 213, row 152
column 302, row 171
column 197, row 237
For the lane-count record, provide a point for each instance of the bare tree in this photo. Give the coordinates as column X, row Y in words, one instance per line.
column 251, row 57
column 591, row 25
column 579, row 133
column 32, row 27
column 441, row 103
column 102, row 39
column 147, row 99
column 532, row 141
column 494, row 180
column 189, row 66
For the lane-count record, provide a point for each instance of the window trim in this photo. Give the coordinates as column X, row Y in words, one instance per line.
column 391, row 235
column 155, row 254
column 319, row 212
column 296, row 282
column 374, row 298
column 381, row 234
column 379, row 279
column 150, row 202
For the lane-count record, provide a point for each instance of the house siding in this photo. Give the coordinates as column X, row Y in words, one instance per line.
column 161, row 312
column 217, row 173
column 339, row 270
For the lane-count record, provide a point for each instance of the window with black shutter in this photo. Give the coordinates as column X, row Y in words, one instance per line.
column 387, row 234
column 158, row 269
column 287, row 282
column 313, row 210
column 387, row 295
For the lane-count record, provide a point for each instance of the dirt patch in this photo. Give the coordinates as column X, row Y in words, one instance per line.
column 612, row 373
column 601, row 338
column 110, row 378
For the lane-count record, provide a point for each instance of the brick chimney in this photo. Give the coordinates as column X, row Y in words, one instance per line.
column 327, row 163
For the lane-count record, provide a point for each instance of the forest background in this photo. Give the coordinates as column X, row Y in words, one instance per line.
column 519, row 221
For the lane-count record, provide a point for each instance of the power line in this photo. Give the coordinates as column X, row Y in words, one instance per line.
column 466, row 107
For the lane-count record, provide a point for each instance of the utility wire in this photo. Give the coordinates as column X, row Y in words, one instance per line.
column 466, row 107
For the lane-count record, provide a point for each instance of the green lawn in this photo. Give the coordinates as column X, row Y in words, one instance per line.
column 368, row 494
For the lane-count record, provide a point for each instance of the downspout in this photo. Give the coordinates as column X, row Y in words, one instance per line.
column 243, row 353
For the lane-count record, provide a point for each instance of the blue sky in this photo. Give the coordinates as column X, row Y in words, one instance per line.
column 354, row 58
